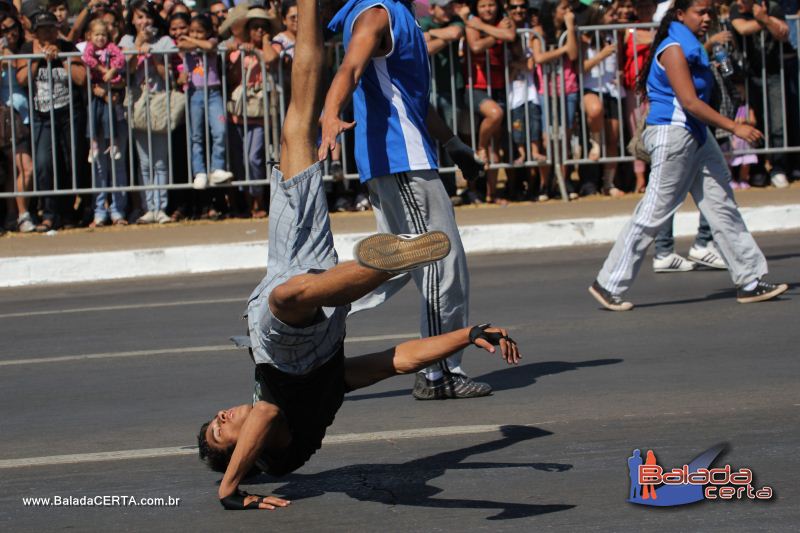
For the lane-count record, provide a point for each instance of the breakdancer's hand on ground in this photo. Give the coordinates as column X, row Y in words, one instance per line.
column 486, row 337
column 242, row 501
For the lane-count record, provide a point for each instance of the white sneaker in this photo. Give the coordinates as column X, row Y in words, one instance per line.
column 162, row 218
column 147, row 218
column 25, row 223
column 779, row 180
column 708, row 256
column 672, row 263
column 200, row 181
column 116, row 154
column 93, row 155
column 220, row 176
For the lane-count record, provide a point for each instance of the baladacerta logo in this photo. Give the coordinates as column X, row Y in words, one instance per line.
column 654, row 485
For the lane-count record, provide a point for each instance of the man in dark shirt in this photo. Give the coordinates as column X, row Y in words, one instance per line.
column 762, row 33
column 53, row 110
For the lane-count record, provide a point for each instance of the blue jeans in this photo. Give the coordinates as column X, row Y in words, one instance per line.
column 103, row 174
column 665, row 242
column 153, row 168
column 216, row 128
column 254, row 153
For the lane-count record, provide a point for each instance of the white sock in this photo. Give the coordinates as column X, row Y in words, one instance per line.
column 750, row 286
column 433, row 375
column 457, row 370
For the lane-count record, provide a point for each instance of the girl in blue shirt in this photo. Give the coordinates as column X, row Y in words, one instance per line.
column 684, row 158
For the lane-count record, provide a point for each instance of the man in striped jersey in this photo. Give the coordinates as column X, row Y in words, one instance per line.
column 386, row 72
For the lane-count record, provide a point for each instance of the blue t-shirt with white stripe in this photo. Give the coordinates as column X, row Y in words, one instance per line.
column 664, row 106
column 390, row 103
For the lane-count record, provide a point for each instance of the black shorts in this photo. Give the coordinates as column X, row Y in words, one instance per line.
column 309, row 404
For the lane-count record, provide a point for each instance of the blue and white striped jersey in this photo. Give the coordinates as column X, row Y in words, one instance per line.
column 664, row 106
column 390, row 103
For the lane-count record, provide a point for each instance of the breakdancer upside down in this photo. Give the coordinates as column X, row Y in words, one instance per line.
column 296, row 315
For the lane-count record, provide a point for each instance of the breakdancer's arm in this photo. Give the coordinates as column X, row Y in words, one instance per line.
column 264, row 428
column 417, row 354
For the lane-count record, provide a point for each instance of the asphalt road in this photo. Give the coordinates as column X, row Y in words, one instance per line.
column 687, row 369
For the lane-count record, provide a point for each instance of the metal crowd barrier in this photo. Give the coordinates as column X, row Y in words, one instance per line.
column 82, row 107
column 557, row 140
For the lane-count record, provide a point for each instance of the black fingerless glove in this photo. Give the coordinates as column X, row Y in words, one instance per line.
column 235, row 502
column 464, row 158
column 479, row 332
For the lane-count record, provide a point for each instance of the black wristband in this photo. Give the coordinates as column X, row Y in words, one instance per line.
column 235, row 502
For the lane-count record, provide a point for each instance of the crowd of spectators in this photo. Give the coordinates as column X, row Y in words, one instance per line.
column 489, row 80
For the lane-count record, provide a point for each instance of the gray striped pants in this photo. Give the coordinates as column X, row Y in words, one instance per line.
column 416, row 202
column 681, row 166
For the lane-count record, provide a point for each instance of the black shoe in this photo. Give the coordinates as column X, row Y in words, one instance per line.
column 610, row 301
column 449, row 386
column 759, row 180
column 762, row 291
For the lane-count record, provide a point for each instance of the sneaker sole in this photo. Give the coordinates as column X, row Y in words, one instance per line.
column 390, row 253
column 671, row 270
column 777, row 291
column 706, row 264
column 627, row 306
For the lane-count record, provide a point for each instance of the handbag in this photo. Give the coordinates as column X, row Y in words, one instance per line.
column 20, row 130
column 250, row 99
column 157, row 102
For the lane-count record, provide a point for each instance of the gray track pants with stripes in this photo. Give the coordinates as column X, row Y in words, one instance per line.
column 680, row 166
column 416, row 202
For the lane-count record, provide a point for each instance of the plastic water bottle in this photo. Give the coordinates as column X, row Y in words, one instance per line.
column 723, row 59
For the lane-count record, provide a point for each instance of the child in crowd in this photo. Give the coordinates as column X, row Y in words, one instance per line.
column 106, row 127
column 106, row 63
column 602, row 92
column 556, row 19
column 488, row 32
column 201, row 75
column 741, row 163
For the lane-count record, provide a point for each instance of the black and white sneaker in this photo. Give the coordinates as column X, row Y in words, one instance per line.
column 401, row 253
column 708, row 256
column 672, row 263
column 762, row 291
column 449, row 386
column 612, row 302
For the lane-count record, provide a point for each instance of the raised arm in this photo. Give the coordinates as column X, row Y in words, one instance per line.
column 763, row 20
column 505, row 31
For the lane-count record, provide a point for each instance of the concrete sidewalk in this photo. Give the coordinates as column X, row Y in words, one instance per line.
column 196, row 247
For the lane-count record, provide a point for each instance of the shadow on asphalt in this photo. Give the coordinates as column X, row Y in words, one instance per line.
column 409, row 483
column 722, row 294
column 506, row 379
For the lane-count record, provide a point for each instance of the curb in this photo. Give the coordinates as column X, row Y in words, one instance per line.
column 102, row 266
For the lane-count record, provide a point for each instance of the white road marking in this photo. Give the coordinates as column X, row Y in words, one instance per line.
column 151, row 453
column 177, row 351
column 242, row 300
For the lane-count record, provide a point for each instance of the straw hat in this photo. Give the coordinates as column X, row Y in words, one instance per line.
column 237, row 14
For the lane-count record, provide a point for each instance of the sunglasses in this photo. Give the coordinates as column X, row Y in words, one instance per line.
column 262, row 27
column 514, row 7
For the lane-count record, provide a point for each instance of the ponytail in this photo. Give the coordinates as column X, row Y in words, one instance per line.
column 663, row 30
